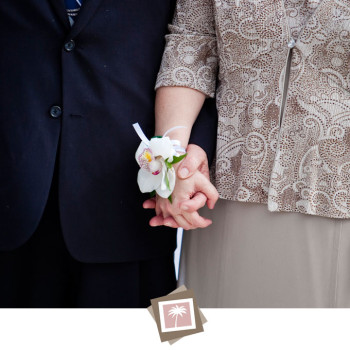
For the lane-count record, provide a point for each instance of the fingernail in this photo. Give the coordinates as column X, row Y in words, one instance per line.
column 184, row 207
column 168, row 224
column 184, row 172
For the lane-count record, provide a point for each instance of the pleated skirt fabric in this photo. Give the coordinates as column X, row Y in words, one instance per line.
column 252, row 258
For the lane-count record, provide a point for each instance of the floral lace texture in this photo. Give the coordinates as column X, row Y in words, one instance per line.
column 283, row 134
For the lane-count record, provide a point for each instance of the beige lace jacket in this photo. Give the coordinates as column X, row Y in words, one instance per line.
column 283, row 103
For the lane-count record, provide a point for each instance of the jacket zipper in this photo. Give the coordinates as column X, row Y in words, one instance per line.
column 285, row 86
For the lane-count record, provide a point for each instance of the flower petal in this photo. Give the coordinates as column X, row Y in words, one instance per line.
column 163, row 190
column 148, row 182
column 140, row 151
column 155, row 167
column 162, row 147
column 163, row 193
column 172, row 178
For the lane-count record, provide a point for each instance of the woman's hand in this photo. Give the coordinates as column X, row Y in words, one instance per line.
column 192, row 191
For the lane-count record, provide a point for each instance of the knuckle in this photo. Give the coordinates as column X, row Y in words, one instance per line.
column 192, row 207
column 200, row 223
column 167, row 205
column 170, row 210
column 190, row 223
column 204, row 225
column 177, row 205
column 170, row 224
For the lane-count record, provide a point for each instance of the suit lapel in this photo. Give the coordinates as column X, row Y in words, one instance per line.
column 87, row 10
column 60, row 10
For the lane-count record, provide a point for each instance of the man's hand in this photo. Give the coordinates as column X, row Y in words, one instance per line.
column 193, row 191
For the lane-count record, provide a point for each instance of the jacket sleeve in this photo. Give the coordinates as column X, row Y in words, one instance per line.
column 190, row 56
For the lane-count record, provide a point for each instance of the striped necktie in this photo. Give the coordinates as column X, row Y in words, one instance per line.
column 73, row 7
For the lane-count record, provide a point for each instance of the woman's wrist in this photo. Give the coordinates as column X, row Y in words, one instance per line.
column 181, row 135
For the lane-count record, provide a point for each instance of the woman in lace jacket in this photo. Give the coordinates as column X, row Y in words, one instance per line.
column 279, row 71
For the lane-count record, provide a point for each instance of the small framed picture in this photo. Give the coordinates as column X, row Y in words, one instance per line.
column 177, row 315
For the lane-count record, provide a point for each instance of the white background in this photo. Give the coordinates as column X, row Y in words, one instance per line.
column 85, row 329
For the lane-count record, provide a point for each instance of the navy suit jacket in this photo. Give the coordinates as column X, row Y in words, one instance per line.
column 101, row 75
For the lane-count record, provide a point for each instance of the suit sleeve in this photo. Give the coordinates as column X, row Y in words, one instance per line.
column 190, row 56
column 204, row 130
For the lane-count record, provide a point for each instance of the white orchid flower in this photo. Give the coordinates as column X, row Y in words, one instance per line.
column 163, row 147
column 154, row 174
column 155, row 158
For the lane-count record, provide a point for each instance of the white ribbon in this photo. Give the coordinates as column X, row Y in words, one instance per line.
column 141, row 134
column 144, row 139
column 174, row 128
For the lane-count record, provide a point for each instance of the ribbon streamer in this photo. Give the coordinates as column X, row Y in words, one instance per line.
column 145, row 140
column 174, row 128
column 141, row 134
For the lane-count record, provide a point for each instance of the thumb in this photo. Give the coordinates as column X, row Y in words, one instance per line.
column 196, row 159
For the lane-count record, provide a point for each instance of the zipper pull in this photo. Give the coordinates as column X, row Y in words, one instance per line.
column 291, row 43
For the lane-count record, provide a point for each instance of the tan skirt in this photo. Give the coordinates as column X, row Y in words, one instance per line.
column 250, row 257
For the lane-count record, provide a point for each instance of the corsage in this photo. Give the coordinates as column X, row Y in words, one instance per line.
column 156, row 158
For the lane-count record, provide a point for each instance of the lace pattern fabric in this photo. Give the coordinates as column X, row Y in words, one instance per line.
column 237, row 51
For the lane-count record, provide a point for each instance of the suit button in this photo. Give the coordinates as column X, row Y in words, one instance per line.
column 55, row 111
column 69, row 45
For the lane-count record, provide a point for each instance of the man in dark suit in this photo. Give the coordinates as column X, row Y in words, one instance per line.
column 73, row 232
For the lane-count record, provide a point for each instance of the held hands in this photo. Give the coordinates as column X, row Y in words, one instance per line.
column 192, row 191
